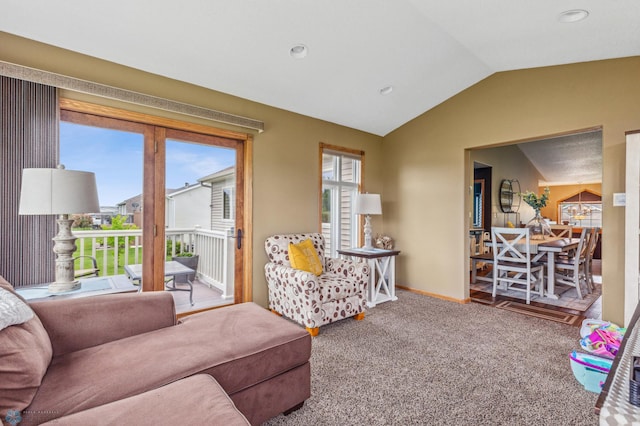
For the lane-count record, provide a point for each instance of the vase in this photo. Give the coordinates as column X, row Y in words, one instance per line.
column 539, row 229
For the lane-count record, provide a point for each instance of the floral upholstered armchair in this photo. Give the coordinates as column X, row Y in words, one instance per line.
column 309, row 299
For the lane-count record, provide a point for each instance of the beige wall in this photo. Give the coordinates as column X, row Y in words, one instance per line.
column 507, row 162
column 285, row 157
column 426, row 175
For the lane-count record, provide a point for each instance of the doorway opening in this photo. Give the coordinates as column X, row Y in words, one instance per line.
column 568, row 164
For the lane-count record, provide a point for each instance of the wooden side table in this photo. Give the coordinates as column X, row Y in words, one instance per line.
column 382, row 281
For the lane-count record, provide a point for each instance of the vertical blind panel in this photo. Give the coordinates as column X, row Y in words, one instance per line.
column 29, row 136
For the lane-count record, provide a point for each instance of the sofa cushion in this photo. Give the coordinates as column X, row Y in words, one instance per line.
column 336, row 287
column 196, row 400
column 25, row 354
column 303, row 256
column 277, row 246
column 13, row 311
column 239, row 345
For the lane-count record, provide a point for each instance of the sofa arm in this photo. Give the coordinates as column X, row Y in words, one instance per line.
column 75, row 324
column 357, row 271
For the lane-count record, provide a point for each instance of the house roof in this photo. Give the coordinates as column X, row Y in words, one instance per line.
column 424, row 50
column 219, row 175
column 186, row 188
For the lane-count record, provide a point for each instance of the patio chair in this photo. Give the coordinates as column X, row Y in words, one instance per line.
column 93, row 271
column 512, row 265
column 336, row 290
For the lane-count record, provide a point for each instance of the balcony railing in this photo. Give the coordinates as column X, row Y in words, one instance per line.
column 113, row 249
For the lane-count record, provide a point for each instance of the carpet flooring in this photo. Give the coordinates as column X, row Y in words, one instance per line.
column 426, row 361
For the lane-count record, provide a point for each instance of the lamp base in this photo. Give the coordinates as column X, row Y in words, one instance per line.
column 367, row 233
column 63, row 287
column 65, row 245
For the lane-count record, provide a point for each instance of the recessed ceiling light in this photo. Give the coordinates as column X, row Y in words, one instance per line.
column 386, row 90
column 299, row 51
column 574, row 15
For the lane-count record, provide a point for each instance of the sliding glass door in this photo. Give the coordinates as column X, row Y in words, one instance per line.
column 174, row 192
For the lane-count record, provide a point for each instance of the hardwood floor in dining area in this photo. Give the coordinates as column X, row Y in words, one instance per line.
column 594, row 311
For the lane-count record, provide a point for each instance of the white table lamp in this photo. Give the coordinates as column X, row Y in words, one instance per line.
column 60, row 192
column 368, row 204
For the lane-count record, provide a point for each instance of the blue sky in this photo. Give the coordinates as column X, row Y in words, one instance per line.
column 116, row 159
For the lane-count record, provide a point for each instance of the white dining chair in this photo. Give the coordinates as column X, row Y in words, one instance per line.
column 562, row 231
column 570, row 269
column 512, row 265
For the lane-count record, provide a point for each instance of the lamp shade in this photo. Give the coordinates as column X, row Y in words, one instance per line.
column 58, row 191
column 368, row 204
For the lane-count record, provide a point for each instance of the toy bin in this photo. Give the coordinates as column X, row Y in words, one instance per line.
column 590, row 370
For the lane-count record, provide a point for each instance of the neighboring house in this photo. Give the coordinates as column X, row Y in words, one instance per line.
column 223, row 198
column 209, row 204
column 104, row 217
column 188, row 207
column 132, row 208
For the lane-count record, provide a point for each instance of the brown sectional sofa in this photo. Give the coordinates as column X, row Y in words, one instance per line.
column 195, row 400
column 91, row 355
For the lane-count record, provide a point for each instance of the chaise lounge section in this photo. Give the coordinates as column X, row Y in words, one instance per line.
column 78, row 354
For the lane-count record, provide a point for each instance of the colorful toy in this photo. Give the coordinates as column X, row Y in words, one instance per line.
column 590, row 325
column 590, row 370
column 600, row 343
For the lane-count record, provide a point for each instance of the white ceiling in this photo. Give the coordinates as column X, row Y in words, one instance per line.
column 428, row 50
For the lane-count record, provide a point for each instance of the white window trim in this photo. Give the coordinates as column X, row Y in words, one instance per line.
column 336, row 186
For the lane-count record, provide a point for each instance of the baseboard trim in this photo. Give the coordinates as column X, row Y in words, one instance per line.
column 436, row 295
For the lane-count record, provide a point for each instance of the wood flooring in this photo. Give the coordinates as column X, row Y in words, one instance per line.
column 542, row 310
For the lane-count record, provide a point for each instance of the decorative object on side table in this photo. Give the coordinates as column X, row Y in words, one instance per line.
column 539, row 228
column 60, row 192
column 367, row 204
column 384, row 242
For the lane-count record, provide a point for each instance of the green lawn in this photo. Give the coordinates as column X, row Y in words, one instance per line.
column 100, row 258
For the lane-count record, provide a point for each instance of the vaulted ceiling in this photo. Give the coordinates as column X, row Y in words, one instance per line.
column 567, row 160
column 422, row 51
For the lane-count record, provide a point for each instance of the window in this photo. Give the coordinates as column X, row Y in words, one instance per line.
column 581, row 214
column 478, row 209
column 227, row 203
column 341, row 179
column 582, row 209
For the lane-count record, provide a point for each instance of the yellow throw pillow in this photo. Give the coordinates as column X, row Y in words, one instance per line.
column 303, row 256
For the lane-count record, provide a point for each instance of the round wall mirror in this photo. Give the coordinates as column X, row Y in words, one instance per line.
column 509, row 195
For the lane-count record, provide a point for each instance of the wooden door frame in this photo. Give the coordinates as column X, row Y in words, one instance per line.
column 153, row 127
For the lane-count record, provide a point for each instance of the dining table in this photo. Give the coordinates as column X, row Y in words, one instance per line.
column 550, row 247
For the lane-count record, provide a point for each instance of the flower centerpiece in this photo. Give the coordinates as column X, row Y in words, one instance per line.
column 539, row 228
column 535, row 201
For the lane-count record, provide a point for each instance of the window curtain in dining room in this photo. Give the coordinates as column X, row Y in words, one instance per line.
column 29, row 137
